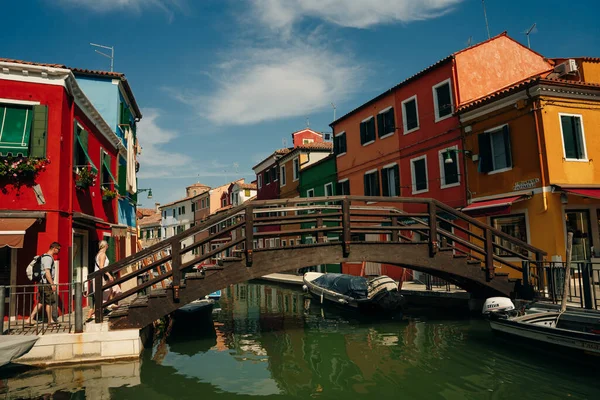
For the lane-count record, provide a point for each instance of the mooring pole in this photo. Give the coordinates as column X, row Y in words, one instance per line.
column 563, row 303
column 78, row 308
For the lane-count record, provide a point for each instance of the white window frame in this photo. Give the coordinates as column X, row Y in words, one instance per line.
column 388, row 134
column 390, row 166
column 371, row 172
column 342, row 181
column 325, row 188
column 340, row 134
column 562, row 138
column 374, row 133
column 435, row 100
column 283, row 243
column 498, row 171
column 296, row 169
column 310, row 191
column 413, row 178
column 259, row 178
column 282, row 175
column 404, row 126
column 441, row 153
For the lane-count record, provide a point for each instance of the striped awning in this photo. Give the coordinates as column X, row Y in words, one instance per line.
column 12, row 231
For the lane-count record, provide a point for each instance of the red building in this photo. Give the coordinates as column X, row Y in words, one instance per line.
column 50, row 123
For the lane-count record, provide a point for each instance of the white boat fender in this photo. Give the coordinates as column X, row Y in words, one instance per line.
column 342, row 301
column 322, row 292
column 305, row 288
column 497, row 304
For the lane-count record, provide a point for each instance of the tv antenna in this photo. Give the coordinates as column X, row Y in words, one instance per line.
column 284, row 142
column 487, row 26
column 333, row 105
column 236, row 167
column 111, row 56
column 528, row 32
column 469, row 41
column 307, row 122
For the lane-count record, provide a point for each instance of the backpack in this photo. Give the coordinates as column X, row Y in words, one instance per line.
column 34, row 269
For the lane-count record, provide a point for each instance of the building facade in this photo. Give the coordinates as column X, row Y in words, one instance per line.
column 148, row 225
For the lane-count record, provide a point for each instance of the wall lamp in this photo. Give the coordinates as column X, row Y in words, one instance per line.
column 448, row 157
column 146, row 190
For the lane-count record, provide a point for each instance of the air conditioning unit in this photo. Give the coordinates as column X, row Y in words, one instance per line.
column 565, row 68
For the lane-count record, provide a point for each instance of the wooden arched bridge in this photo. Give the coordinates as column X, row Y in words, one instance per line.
column 262, row 237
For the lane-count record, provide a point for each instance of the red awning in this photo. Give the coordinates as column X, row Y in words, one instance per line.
column 491, row 207
column 592, row 193
column 12, row 231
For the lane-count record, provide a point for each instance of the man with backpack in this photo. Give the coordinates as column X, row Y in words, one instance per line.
column 41, row 271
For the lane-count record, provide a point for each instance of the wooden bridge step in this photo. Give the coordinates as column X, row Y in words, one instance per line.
column 214, row 268
column 474, row 262
column 194, row 275
column 224, row 260
column 158, row 293
column 460, row 255
column 140, row 301
column 446, row 248
column 119, row 312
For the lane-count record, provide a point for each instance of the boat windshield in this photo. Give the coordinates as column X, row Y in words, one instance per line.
column 348, row 285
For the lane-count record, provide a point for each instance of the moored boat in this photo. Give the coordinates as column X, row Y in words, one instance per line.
column 379, row 294
column 12, row 347
column 197, row 308
column 550, row 327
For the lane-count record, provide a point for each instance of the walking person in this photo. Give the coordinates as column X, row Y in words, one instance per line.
column 46, row 287
column 103, row 262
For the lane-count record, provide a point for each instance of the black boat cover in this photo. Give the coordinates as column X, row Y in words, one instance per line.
column 348, row 285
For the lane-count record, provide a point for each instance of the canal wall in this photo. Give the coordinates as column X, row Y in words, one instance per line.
column 96, row 344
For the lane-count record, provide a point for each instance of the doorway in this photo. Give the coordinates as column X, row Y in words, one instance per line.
column 578, row 222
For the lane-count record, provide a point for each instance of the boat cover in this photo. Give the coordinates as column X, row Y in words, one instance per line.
column 348, row 285
column 12, row 347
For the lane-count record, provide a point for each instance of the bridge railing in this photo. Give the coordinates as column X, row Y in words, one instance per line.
column 318, row 221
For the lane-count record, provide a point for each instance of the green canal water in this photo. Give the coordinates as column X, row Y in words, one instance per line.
column 267, row 342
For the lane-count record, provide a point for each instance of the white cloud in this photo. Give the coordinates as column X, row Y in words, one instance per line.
column 281, row 15
column 155, row 160
column 102, row 6
column 268, row 84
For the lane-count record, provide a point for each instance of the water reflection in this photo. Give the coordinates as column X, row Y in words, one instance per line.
column 268, row 341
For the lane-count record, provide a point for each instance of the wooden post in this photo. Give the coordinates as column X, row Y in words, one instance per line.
column 433, row 244
column 319, row 225
column 175, row 267
column 395, row 234
column 489, row 255
column 346, row 226
column 586, row 271
column 98, row 299
column 563, row 303
column 249, row 226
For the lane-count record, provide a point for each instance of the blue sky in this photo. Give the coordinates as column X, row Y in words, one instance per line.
column 222, row 82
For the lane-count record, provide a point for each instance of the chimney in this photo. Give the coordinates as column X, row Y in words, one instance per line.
column 156, row 205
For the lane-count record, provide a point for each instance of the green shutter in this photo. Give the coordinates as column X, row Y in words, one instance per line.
column 106, row 164
column 39, row 132
column 134, row 197
column 377, row 192
column 121, row 112
column 110, row 252
column 485, row 153
column 363, row 133
column 366, row 183
column 381, row 125
column 122, row 179
column 397, row 179
column 384, row 181
column 506, row 134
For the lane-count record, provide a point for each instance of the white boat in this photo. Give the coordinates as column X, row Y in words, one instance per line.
column 12, row 347
column 551, row 327
column 379, row 294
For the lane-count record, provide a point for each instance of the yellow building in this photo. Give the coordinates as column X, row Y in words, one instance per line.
column 530, row 156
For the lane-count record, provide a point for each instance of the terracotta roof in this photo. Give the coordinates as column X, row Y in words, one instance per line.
column 150, row 221
column 144, row 212
column 82, row 71
column 522, row 85
column 227, row 207
column 278, row 152
column 249, row 186
column 315, row 146
column 178, row 201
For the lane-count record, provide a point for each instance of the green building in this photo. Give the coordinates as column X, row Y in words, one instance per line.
column 317, row 180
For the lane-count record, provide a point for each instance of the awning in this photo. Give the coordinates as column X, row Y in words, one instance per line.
column 492, row 207
column 12, row 231
column 592, row 193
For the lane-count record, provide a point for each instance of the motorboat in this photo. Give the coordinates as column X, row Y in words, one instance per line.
column 379, row 294
column 197, row 308
column 12, row 347
column 571, row 330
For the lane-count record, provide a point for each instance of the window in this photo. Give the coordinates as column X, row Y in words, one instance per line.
column 339, row 144
column 386, row 124
column 367, row 131
column 573, row 137
column 307, row 141
column 410, row 115
column 283, row 177
column 390, row 180
column 81, row 157
column 23, row 130
column 343, row 187
column 173, row 213
column 267, row 177
column 259, row 177
column 442, row 100
column 247, row 192
column 106, row 175
column 310, row 193
column 449, row 167
column 223, row 202
column 418, row 171
column 193, row 207
column 372, row 183
column 275, row 173
column 329, row 189
column 494, row 149
column 283, row 243
column 514, row 225
column 291, row 242
column 183, row 209
column 296, row 169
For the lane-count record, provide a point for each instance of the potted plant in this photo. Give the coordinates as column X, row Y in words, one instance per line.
column 108, row 194
column 18, row 170
column 85, row 177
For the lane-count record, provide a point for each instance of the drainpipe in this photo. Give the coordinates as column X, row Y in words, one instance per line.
column 536, row 109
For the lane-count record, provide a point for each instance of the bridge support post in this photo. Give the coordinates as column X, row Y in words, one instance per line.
column 176, row 268
column 249, row 226
column 395, row 234
column 433, row 244
column 319, row 225
column 585, row 269
column 98, row 299
column 346, row 233
column 78, row 307
column 2, row 302
column 489, row 255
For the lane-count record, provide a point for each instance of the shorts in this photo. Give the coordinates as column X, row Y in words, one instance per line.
column 46, row 295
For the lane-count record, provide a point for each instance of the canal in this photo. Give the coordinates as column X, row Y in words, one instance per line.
column 266, row 341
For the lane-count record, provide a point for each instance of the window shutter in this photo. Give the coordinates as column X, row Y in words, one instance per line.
column 371, row 130
column 39, row 132
column 363, row 134
column 366, row 183
column 485, row 153
column 377, row 193
column 336, row 147
column 391, row 121
column 506, row 134
column 396, row 170
column 380, row 125
column 122, row 179
column 343, row 143
column 384, row 181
